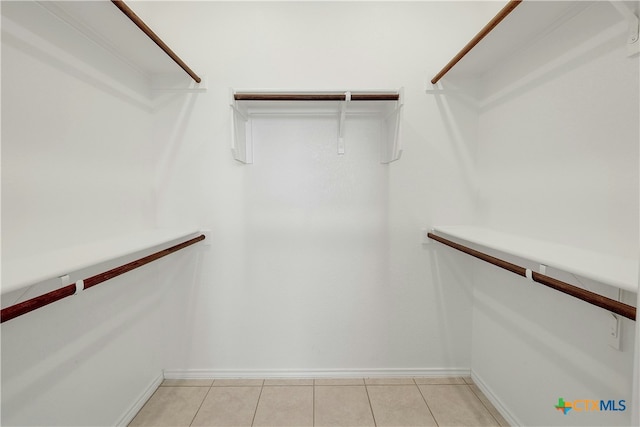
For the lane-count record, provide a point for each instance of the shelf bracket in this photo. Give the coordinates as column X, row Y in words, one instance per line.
column 633, row 43
column 391, row 148
column 385, row 106
column 241, row 137
column 343, row 115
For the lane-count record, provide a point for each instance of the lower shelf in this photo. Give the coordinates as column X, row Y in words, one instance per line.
column 25, row 304
column 604, row 268
column 20, row 273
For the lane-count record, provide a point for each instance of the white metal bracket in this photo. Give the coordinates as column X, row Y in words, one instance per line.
column 241, row 137
column 343, row 115
column 391, row 148
column 633, row 43
column 386, row 111
column 79, row 286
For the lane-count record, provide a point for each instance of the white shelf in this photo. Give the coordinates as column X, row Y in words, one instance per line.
column 105, row 24
column 615, row 271
column 523, row 25
column 20, row 273
column 100, row 26
column 389, row 112
column 539, row 23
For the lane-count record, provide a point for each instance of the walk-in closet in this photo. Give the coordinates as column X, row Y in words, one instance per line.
column 320, row 213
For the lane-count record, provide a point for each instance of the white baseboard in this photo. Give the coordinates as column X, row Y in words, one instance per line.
column 495, row 400
column 139, row 403
column 313, row 373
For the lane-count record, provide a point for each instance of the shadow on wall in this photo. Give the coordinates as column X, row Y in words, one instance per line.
column 316, row 244
column 515, row 83
column 169, row 143
column 43, row 349
column 453, row 285
column 118, row 81
column 528, row 314
column 118, row 329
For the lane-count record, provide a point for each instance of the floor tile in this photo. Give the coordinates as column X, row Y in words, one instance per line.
column 399, row 405
column 171, row 406
column 289, row 381
column 342, row 406
column 285, row 406
column 187, row 383
column 237, row 382
column 487, row 404
column 440, row 380
column 228, row 406
column 389, row 381
column 339, row 381
column 466, row 410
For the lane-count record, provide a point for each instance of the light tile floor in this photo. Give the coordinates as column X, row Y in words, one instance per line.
column 320, row 402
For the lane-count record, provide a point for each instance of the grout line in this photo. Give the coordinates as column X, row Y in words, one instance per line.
column 280, row 385
column 236, row 385
column 483, row 404
column 253, row 420
column 477, row 394
column 184, row 386
column 426, row 403
column 373, row 415
column 199, row 407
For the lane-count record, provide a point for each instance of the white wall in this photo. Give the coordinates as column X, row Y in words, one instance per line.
column 557, row 159
column 247, row 306
column 325, row 271
column 69, row 108
column 75, row 137
column 77, row 168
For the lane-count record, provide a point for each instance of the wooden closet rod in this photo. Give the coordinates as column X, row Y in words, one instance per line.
column 609, row 304
column 153, row 36
column 315, row 97
column 474, row 41
column 25, row 307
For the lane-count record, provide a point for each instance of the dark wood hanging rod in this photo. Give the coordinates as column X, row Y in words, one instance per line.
column 476, row 39
column 609, row 304
column 315, row 96
column 25, row 307
column 153, row 36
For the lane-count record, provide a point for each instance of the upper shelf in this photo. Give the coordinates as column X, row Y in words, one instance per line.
column 615, row 271
column 517, row 25
column 113, row 26
column 384, row 105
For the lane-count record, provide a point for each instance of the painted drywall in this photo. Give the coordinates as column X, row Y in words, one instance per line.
column 316, row 263
column 75, row 148
column 558, row 160
column 378, row 300
column 86, row 156
column 76, row 168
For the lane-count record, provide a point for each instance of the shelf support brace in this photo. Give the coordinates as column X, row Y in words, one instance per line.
column 391, row 148
column 633, row 45
column 241, row 137
column 343, row 115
